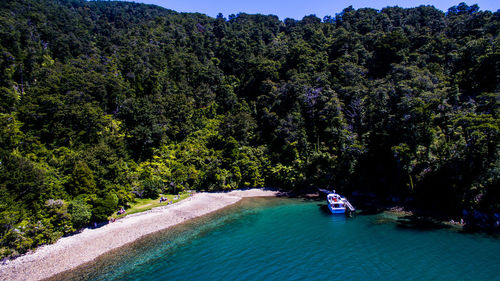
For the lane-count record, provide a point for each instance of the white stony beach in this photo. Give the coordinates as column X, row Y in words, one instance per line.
column 72, row 251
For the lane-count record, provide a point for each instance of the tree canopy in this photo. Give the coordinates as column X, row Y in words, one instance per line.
column 102, row 102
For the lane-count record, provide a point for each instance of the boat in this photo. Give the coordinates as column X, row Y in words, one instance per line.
column 338, row 204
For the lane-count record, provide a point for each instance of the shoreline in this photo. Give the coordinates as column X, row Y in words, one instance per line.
column 72, row 251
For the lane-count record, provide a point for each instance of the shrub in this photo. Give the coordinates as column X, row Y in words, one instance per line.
column 104, row 207
column 80, row 213
column 151, row 188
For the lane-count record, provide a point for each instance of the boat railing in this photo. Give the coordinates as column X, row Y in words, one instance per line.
column 350, row 206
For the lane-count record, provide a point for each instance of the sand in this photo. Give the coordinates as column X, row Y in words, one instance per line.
column 73, row 251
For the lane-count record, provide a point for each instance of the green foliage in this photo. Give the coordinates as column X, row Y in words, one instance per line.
column 60, row 218
column 81, row 180
column 102, row 102
column 10, row 134
column 104, row 207
column 80, row 213
column 151, row 188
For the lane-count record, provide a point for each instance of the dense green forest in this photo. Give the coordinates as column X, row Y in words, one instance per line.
column 104, row 102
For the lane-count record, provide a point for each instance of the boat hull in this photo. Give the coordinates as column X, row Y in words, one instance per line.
column 336, row 210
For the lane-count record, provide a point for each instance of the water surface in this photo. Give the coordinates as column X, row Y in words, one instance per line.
column 291, row 239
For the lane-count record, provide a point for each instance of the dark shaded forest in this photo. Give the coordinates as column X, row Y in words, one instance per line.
column 104, row 102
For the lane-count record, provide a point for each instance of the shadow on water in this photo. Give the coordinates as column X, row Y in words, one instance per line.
column 369, row 211
column 419, row 223
column 324, row 209
column 474, row 230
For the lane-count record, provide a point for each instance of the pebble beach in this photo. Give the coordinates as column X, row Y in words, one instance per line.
column 73, row 251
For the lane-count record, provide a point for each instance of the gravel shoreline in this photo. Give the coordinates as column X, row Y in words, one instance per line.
column 72, row 251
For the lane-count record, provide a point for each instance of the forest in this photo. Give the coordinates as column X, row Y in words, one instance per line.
column 103, row 102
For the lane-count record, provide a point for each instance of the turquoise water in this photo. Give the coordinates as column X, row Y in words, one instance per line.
column 291, row 239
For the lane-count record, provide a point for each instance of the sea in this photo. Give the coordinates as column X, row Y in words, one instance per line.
column 298, row 239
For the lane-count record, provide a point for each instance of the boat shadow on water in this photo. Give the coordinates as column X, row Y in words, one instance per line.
column 324, row 210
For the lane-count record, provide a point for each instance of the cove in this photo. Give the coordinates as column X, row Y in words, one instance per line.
column 294, row 239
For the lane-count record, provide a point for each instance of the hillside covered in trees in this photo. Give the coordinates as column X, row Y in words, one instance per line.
column 103, row 102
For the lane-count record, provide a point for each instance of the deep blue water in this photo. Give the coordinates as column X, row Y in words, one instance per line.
column 291, row 239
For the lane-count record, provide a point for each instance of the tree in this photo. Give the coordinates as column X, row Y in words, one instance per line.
column 104, row 207
column 80, row 213
column 81, row 180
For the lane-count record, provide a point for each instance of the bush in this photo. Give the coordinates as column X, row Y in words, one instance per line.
column 151, row 188
column 80, row 213
column 104, row 207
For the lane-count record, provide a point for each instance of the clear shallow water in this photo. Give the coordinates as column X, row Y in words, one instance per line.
column 288, row 239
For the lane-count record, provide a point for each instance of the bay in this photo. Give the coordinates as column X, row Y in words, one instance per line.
column 294, row 239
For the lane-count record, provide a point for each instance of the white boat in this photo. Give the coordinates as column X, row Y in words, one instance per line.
column 336, row 203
